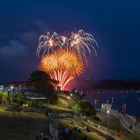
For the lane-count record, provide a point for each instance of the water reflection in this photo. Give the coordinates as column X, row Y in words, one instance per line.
column 118, row 98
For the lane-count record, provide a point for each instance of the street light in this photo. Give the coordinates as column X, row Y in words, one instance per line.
column 108, row 119
column 11, row 97
column 71, row 94
column 12, row 87
column 108, row 112
column 68, row 97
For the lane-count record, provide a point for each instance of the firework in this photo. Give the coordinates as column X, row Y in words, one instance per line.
column 81, row 43
column 64, row 56
column 62, row 65
column 48, row 43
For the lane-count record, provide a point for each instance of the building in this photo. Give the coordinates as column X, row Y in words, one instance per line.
column 106, row 107
column 1, row 87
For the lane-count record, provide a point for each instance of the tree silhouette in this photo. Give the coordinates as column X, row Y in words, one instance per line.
column 42, row 83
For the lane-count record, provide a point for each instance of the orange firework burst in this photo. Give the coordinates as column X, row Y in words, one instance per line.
column 62, row 66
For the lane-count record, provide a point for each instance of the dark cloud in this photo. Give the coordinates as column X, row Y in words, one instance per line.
column 42, row 26
column 35, row 29
column 14, row 49
column 28, row 37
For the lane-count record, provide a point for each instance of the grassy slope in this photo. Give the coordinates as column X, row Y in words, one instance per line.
column 24, row 126
column 81, row 135
column 60, row 106
column 130, row 137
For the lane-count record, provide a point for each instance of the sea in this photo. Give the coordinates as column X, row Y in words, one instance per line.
column 127, row 101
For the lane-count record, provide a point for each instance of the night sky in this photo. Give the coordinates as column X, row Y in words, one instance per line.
column 115, row 25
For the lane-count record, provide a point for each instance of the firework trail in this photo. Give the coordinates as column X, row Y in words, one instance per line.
column 81, row 43
column 48, row 43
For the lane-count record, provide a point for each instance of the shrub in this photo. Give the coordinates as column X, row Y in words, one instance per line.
column 84, row 108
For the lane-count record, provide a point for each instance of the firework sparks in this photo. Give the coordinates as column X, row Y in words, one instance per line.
column 62, row 66
column 64, row 56
column 81, row 43
column 48, row 43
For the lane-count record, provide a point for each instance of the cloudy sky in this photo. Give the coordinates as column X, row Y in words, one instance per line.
column 114, row 23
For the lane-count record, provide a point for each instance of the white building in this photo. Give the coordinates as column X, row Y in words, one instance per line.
column 106, row 107
column 33, row 96
column 1, row 87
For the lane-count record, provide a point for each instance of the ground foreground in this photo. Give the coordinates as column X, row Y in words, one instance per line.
column 26, row 126
column 23, row 126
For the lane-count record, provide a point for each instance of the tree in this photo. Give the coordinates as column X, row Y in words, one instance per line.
column 42, row 83
column 11, row 97
column 4, row 96
column 84, row 108
column 18, row 98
